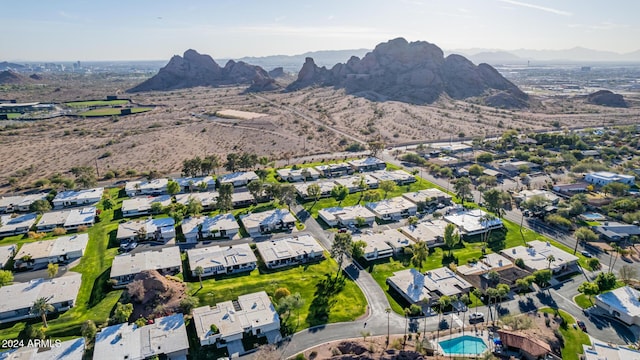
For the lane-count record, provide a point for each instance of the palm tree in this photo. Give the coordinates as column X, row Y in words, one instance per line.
column 443, row 301
column 551, row 259
column 465, row 300
column 454, row 299
column 199, row 271
column 485, row 220
column 41, row 307
column 406, row 324
column 420, row 253
column 388, row 311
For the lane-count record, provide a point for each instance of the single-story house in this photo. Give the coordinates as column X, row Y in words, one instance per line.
column 604, row 177
column 346, row 216
column 590, row 153
column 70, row 219
column 125, row 267
column 600, row 351
column 530, row 347
column 430, row 197
column 295, row 175
column 146, row 187
column 516, row 167
column 241, row 178
column 395, row 208
column 410, row 285
column 252, row 314
column 472, row 222
column 536, row 254
column 570, row 189
column 205, row 227
column 490, row 172
column 416, row 287
column 142, row 205
column 207, row 199
column 367, row 164
column 299, row 249
column 6, row 254
column 261, row 223
column 400, row 177
column 622, row 303
column 448, row 161
column 61, row 249
column 431, row 232
column 19, row 203
column 162, row 229
column 616, row 231
column 14, row 225
column 216, row 260
column 73, row 198
column 191, row 184
column 333, row 170
column 397, row 240
column 165, row 338
column 242, row 199
column 18, row 298
column 64, row 350
column 525, row 195
column 376, row 245
column 477, row 272
column 325, row 189
column 353, row 182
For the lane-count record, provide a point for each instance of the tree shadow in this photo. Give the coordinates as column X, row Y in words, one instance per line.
column 526, row 305
column 497, row 239
column 323, row 300
column 448, row 259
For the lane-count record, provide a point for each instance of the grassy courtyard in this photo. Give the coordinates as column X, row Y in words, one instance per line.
column 573, row 338
column 112, row 111
column 96, row 103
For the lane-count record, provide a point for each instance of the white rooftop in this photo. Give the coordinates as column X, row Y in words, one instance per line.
column 127, row 341
column 445, row 282
column 301, row 172
column 132, row 228
column 217, row 222
column 601, row 351
column 254, row 220
column 79, row 195
column 425, row 230
column 490, row 262
column 6, row 253
column 195, row 181
column 21, row 200
column 471, row 221
column 346, row 213
column 11, row 223
column 127, row 264
column 535, row 256
column 23, row 295
column 375, row 242
column 625, row 300
column 353, row 181
column 394, row 175
column 427, row 196
column 390, row 206
column 146, row 185
column 80, row 216
column 325, row 187
column 206, row 198
column 214, row 256
column 242, row 176
column 611, row 176
column 56, row 247
column 143, row 203
column 411, row 283
column 289, row 247
column 65, row 350
column 370, row 161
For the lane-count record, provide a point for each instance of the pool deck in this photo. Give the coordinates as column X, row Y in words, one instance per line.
column 480, row 334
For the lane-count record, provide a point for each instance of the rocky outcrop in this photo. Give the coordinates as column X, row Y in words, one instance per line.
column 277, row 72
column 9, row 77
column 607, row 98
column 194, row 69
column 414, row 72
column 35, row 77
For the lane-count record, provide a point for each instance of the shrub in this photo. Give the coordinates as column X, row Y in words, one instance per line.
column 59, row 231
column 281, row 293
column 519, row 263
column 35, row 235
column 300, row 356
column 82, row 228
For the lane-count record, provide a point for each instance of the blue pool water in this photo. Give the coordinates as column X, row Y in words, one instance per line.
column 592, row 216
column 463, row 345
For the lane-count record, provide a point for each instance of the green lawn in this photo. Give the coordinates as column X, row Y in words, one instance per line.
column 321, row 305
column 583, row 301
column 94, row 300
column 112, row 111
column 573, row 338
column 96, row 103
column 13, row 115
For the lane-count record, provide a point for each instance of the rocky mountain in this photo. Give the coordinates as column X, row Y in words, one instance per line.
column 10, row 66
column 9, row 77
column 194, row 69
column 414, row 72
column 606, row 98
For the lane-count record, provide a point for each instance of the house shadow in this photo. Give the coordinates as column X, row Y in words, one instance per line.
column 100, row 288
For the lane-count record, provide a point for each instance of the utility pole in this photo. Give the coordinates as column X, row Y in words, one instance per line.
column 97, row 171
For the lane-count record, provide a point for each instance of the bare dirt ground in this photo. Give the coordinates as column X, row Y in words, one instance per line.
column 307, row 122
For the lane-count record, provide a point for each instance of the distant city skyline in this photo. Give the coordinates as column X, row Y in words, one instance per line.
column 70, row 30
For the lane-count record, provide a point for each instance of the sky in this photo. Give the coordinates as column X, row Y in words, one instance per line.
column 69, row 30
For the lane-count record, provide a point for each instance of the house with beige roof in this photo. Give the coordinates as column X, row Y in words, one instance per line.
column 392, row 209
column 265, row 222
column 426, row 288
column 325, row 189
column 73, row 198
column 40, row 253
column 141, row 205
column 146, row 187
column 537, row 253
column 207, row 199
column 69, row 219
column 125, row 267
column 429, row 197
column 299, row 249
column 197, row 228
column 16, row 224
column 216, row 260
column 429, row 231
column 346, row 216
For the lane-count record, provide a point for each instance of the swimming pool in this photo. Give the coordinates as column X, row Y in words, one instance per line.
column 592, row 217
column 463, row 345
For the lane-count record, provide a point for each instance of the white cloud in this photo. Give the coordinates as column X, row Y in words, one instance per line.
column 537, row 7
column 315, row 31
column 605, row 25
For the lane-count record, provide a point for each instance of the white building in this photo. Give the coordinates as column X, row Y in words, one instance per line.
column 207, row 199
column 601, row 351
column 473, row 222
column 20, row 203
column 167, row 336
column 392, row 209
column 346, row 216
column 333, row 170
column 238, row 179
column 191, row 184
column 367, row 164
column 207, row 227
column 535, row 256
column 161, row 229
column 431, row 232
column 146, row 187
column 6, row 254
column 65, row 350
column 265, row 222
column 622, row 303
column 72, row 198
column 69, row 219
column 216, row 260
column 14, row 225
column 325, row 189
column 61, row 249
column 416, row 287
column 604, row 177
column 353, row 182
column 303, row 174
column 241, row 199
column 400, row 177
column 125, row 267
column 18, row 298
column 251, row 314
column 287, row 251
column 430, row 197
column 377, row 247
column 142, row 205
column 410, row 285
column 525, row 195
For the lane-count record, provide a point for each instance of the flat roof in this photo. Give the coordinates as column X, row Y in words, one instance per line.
column 354, row 180
column 21, row 200
column 80, row 216
column 214, row 256
column 65, row 350
column 128, row 341
column 22, row 295
column 195, row 181
column 246, row 176
column 286, row 172
column 206, row 198
column 470, row 221
column 535, row 256
column 390, row 206
column 375, row 242
column 57, row 247
column 489, row 262
column 131, row 228
column 610, row 175
column 338, row 166
column 346, row 213
column 127, row 264
column 143, row 203
column 75, row 195
column 411, row 283
column 144, row 185
column 56, row 217
column 10, row 223
column 425, row 230
column 394, row 175
column 255, row 309
column 6, row 253
column 525, row 195
column 325, row 187
column 254, row 220
column 370, row 161
column 218, row 222
column 289, row 247
column 426, row 195
column 601, row 351
column 624, row 300
column 446, row 282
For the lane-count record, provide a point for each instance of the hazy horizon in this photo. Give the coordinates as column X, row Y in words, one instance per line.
column 145, row 30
